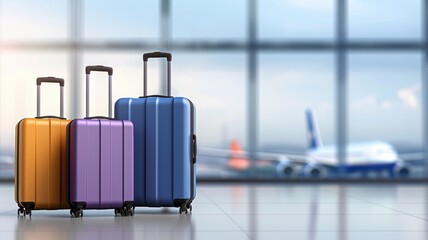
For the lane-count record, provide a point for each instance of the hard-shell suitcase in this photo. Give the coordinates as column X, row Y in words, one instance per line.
column 40, row 159
column 100, row 160
column 165, row 145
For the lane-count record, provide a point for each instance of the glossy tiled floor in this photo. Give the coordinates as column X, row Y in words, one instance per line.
column 244, row 211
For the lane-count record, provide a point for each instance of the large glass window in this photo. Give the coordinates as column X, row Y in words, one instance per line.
column 384, row 19
column 19, row 71
column 28, row 21
column 208, row 20
column 115, row 20
column 385, row 106
column 296, row 19
column 263, row 75
column 292, row 85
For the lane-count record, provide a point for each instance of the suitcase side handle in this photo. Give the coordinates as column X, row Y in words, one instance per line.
column 168, row 57
column 99, row 68
column 39, row 82
column 195, row 149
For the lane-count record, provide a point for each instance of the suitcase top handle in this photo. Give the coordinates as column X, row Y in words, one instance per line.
column 39, row 82
column 99, row 68
column 168, row 57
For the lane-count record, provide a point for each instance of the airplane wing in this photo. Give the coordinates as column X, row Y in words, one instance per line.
column 413, row 157
column 296, row 158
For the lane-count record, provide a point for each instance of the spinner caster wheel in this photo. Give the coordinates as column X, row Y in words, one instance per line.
column 182, row 209
column 123, row 211
column 20, row 212
column 80, row 213
column 117, row 211
column 27, row 212
column 189, row 206
column 129, row 211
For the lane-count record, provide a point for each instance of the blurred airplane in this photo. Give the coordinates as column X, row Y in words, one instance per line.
column 319, row 160
column 362, row 157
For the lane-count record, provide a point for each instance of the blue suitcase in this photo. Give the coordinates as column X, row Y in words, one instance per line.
column 164, row 145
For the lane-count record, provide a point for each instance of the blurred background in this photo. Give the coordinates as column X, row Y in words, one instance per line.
column 284, row 89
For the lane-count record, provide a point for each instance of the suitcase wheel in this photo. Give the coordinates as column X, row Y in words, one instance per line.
column 78, row 213
column 189, row 206
column 117, row 211
column 24, row 212
column 130, row 211
column 184, row 209
column 125, row 211
column 20, row 211
column 27, row 212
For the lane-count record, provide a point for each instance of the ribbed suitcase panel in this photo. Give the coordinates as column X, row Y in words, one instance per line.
column 152, row 152
column 54, row 174
column 134, row 110
column 182, row 149
column 165, row 144
column 85, row 172
column 27, row 161
column 42, row 151
column 111, row 162
column 64, row 169
column 128, row 156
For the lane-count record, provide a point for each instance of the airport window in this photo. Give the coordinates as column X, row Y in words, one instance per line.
column 385, row 104
column 132, row 20
column 216, row 84
column 31, row 21
column 275, row 83
column 384, row 19
column 18, row 93
column 287, row 92
column 216, row 20
column 296, row 20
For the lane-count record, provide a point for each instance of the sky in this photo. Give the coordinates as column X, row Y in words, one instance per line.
column 384, row 89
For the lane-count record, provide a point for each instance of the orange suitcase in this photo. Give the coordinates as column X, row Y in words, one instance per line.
column 40, row 159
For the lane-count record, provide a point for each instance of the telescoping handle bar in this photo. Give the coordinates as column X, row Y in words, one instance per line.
column 39, row 82
column 99, row 68
column 168, row 57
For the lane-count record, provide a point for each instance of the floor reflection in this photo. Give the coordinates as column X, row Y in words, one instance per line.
column 246, row 211
column 43, row 228
column 343, row 213
column 168, row 225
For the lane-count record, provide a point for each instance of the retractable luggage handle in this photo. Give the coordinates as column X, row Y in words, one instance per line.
column 39, row 82
column 99, row 68
column 168, row 57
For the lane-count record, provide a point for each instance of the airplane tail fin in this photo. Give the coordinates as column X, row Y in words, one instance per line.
column 314, row 137
column 237, row 159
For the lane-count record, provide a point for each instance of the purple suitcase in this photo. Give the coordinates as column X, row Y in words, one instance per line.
column 101, row 161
